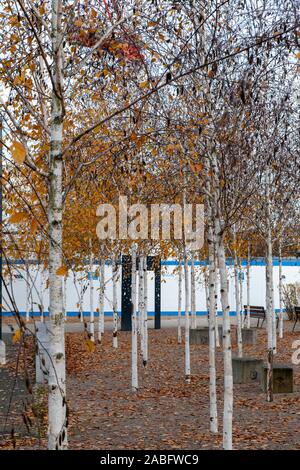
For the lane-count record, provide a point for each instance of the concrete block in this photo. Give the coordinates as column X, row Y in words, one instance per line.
column 283, row 378
column 201, row 335
column 249, row 335
column 246, row 369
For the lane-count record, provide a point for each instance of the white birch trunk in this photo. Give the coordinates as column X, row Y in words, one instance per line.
column 134, row 343
column 92, row 315
column 187, row 322
column 81, row 298
column 228, row 379
column 179, row 336
column 216, row 283
column 101, row 301
column 206, row 284
column 140, row 296
column 27, row 312
column 213, row 412
column 145, row 325
column 115, row 303
column 241, row 291
column 237, row 303
column 280, row 289
column 269, row 295
column 57, row 420
column 248, row 286
column 193, row 294
column 141, row 303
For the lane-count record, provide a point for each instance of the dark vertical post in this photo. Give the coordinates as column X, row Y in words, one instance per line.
column 1, row 194
column 157, row 290
column 126, row 306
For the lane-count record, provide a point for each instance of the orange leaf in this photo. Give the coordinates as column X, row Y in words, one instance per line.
column 90, row 345
column 62, row 271
column 34, row 226
column 18, row 151
column 17, row 217
column 16, row 336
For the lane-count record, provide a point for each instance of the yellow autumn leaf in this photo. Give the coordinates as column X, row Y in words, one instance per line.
column 34, row 226
column 143, row 84
column 62, row 271
column 16, row 336
column 298, row 55
column 18, row 151
column 17, row 217
column 90, row 345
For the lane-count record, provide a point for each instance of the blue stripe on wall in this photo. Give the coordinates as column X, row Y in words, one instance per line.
column 166, row 313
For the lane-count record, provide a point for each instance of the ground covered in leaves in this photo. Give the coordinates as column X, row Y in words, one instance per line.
column 166, row 413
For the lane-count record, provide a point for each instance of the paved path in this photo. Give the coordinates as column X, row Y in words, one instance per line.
column 75, row 327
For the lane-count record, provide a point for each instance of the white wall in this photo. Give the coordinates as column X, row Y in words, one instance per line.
column 169, row 292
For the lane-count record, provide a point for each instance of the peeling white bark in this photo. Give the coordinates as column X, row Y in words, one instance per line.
column 187, row 322
column 193, row 294
column 248, row 286
column 280, row 288
column 115, row 303
column 27, row 315
column 237, row 303
column 179, row 336
column 92, row 313
column 57, row 420
column 101, row 300
column 141, row 303
column 134, row 343
column 145, row 324
column 213, row 412
column 228, row 379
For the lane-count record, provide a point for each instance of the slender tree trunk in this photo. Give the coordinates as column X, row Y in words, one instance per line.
column 134, row 344
column 237, row 302
column 140, row 297
column 57, row 421
column 241, row 290
column 187, row 322
column 270, row 376
column 269, row 295
column 216, row 302
column 115, row 302
column 248, row 286
column 145, row 326
column 228, row 379
column 141, row 303
column 92, row 315
column 81, row 298
column 101, row 301
column 27, row 307
column 179, row 336
column 193, row 293
column 213, row 411
column 206, row 287
column 280, row 288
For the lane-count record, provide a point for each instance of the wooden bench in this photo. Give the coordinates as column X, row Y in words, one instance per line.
column 256, row 312
column 297, row 315
column 259, row 313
